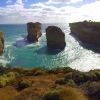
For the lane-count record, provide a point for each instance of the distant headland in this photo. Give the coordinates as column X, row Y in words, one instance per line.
column 87, row 31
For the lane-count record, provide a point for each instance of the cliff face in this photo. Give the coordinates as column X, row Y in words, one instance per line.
column 1, row 42
column 87, row 32
column 55, row 38
column 34, row 31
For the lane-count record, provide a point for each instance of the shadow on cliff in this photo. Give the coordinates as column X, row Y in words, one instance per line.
column 23, row 42
column 91, row 47
column 47, row 51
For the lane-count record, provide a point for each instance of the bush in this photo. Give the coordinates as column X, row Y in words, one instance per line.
column 51, row 95
column 60, row 81
column 7, row 78
column 39, row 72
column 93, row 76
column 67, row 70
column 68, row 76
column 24, row 83
column 78, row 77
column 69, row 93
column 92, row 90
column 86, row 77
column 65, row 93
column 3, row 81
column 70, row 82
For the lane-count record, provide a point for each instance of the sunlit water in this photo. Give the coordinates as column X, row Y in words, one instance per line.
column 19, row 52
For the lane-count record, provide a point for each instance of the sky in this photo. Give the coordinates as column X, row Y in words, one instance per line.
column 48, row 11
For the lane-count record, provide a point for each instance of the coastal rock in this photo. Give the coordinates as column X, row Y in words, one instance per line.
column 87, row 32
column 34, row 31
column 55, row 38
column 1, row 41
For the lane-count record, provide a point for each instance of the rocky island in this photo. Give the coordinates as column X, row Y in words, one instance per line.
column 1, row 41
column 55, row 38
column 87, row 31
column 34, row 31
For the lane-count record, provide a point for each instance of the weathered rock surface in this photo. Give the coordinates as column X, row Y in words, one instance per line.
column 34, row 31
column 1, row 41
column 87, row 32
column 55, row 38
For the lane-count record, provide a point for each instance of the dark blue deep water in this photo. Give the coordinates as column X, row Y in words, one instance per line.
column 19, row 52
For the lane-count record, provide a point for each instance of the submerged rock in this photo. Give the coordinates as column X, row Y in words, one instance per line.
column 1, row 41
column 34, row 31
column 55, row 38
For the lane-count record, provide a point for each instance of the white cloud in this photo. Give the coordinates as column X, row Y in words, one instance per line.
column 42, row 12
column 62, row 1
column 8, row 1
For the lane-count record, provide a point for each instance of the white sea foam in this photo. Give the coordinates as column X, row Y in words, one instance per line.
column 19, row 38
column 7, row 45
column 4, row 61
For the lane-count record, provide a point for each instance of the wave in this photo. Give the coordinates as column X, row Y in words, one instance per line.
column 3, row 61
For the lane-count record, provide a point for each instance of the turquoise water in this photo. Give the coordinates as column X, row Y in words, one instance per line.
column 19, row 52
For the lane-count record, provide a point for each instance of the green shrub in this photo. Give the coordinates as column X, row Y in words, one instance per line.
column 92, row 90
column 70, row 82
column 97, row 73
column 3, row 81
column 7, row 78
column 64, row 93
column 39, row 72
column 52, row 95
column 78, row 77
column 93, row 76
column 24, row 83
column 86, row 77
column 67, row 70
column 60, row 81
column 68, row 76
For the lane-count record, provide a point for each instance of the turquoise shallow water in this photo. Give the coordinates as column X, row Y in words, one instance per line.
column 19, row 52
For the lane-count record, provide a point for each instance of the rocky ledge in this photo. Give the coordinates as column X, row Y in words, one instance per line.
column 55, row 38
column 34, row 31
column 1, row 41
column 87, row 31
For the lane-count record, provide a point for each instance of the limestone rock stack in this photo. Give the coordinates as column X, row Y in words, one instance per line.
column 34, row 31
column 55, row 38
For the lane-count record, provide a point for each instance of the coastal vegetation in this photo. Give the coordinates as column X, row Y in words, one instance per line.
column 63, row 83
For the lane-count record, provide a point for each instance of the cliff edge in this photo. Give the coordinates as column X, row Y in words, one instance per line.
column 1, row 41
column 87, row 32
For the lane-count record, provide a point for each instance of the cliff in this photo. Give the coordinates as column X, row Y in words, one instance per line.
column 34, row 31
column 87, row 32
column 55, row 38
column 1, row 41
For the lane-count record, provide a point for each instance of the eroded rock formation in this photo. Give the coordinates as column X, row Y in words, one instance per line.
column 55, row 38
column 34, row 31
column 1, row 42
column 87, row 32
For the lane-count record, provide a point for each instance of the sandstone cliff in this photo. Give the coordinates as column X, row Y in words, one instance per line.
column 34, row 31
column 87, row 32
column 55, row 38
column 1, row 42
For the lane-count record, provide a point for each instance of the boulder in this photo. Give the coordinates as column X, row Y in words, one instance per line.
column 1, row 41
column 55, row 38
column 34, row 31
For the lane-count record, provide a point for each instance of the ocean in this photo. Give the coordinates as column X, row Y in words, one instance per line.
column 19, row 52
